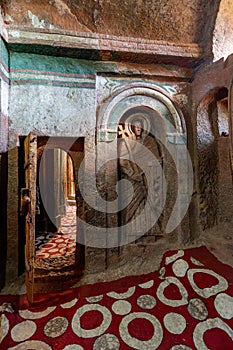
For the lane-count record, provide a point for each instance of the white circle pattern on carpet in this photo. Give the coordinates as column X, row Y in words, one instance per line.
column 62, row 243
column 168, row 307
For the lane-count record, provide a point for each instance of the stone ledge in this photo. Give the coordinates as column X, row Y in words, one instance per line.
column 101, row 42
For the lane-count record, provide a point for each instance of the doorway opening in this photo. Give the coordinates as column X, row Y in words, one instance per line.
column 55, row 234
column 49, row 201
column 214, row 159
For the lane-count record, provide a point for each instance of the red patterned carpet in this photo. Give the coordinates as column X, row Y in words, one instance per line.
column 188, row 304
column 52, row 245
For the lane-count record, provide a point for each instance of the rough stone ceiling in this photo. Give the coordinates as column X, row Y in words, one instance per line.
column 223, row 33
column 183, row 21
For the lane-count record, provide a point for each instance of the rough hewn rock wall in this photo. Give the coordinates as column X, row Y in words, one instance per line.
column 4, row 95
column 208, row 168
column 177, row 21
column 56, row 96
column 223, row 32
column 217, row 78
column 61, row 94
column 12, row 217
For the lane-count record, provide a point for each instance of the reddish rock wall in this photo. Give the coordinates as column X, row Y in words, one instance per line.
column 178, row 21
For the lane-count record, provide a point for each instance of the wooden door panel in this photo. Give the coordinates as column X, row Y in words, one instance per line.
column 30, row 166
column 45, row 275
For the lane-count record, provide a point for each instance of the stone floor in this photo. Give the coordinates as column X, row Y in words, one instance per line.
column 218, row 240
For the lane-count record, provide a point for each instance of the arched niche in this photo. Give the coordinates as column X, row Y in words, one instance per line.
column 151, row 98
column 136, row 95
column 213, row 161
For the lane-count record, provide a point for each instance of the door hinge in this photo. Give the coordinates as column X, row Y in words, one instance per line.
column 28, row 267
column 25, row 201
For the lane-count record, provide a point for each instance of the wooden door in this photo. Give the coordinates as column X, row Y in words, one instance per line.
column 3, row 215
column 29, row 207
column 46, row 275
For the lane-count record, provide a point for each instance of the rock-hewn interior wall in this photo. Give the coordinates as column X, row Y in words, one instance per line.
column 4, row 95
column 223, row 32
column 12, row 217
column 225, row 181
column 178, row 93
column 57, row 96
column 61, row 94
column 207, row 135
column 213, row 117
column 132, row 18
column 61, row 97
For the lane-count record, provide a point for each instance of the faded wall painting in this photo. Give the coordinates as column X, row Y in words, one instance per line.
column 140, row 166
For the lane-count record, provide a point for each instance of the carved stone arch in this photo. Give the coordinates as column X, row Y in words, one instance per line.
column 109, row 114
column 135, row 95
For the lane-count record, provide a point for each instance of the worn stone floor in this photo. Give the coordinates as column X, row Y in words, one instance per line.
column 218, row 240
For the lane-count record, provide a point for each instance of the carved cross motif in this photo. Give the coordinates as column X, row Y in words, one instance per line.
column 123, row 131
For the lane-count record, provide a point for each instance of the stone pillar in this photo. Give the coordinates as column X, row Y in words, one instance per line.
column 12, row 217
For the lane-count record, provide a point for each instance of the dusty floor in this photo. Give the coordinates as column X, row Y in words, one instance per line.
column 218, row 240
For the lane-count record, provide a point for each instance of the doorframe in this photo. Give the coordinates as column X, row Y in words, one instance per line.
column 70, row 275
column 3, row 214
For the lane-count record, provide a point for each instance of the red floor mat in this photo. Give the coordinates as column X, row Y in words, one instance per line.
column 52, row 245
column 188, row 304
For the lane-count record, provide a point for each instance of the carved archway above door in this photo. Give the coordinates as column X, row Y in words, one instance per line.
column 134, row 95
